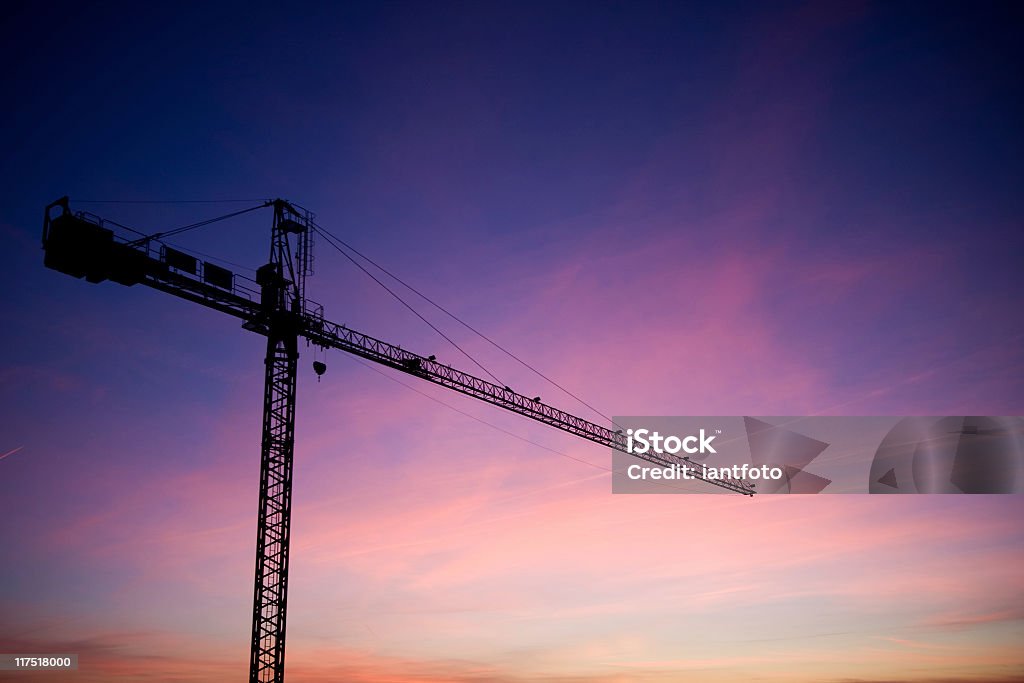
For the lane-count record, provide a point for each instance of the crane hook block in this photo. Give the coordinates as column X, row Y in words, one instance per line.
column 319, row 368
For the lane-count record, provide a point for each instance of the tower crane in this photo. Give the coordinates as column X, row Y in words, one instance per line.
column 275, row 305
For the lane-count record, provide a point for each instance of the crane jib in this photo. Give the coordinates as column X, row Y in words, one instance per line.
column 81, row 246
column 328, row 334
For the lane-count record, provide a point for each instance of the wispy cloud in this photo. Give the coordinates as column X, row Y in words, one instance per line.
column 11, row 452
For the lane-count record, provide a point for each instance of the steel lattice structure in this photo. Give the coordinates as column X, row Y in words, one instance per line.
column 275, row 305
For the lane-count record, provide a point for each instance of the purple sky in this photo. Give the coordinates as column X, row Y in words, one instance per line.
column 670, row 208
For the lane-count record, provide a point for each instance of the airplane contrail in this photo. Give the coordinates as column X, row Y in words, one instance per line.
column 11, row 452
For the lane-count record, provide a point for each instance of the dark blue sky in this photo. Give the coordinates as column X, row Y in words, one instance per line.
column 911, row 107
column 753, row 208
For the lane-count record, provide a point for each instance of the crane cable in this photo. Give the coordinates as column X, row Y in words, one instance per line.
column 449, row 406
column 328, row 235
column 168, row 201
column 335, row 241
column 208, row 221
column 175, row 231
column 331, row 240
column 143, row 237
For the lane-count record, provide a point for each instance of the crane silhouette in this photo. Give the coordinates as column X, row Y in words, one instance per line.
column 275, row 305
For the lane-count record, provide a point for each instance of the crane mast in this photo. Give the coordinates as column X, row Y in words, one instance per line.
column 275, row 305
column 282, row 283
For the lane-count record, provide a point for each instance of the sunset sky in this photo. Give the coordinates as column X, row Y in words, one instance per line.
column 669, row 208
